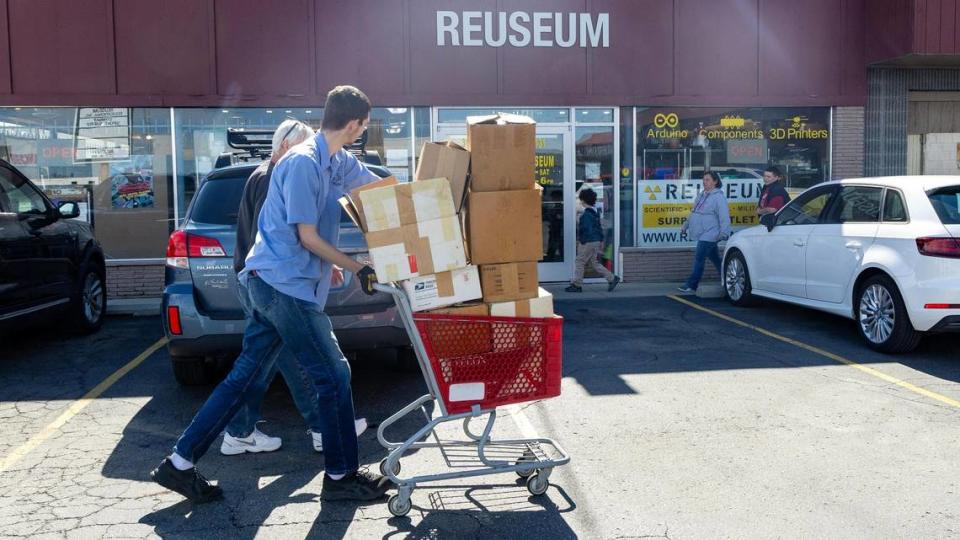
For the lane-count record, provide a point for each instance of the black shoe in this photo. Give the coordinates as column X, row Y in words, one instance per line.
column 188, row 483
column 574, row 288
column 613, row 284
column 361, row 485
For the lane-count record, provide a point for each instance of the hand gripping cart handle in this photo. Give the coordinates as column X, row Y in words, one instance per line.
column 472, row 365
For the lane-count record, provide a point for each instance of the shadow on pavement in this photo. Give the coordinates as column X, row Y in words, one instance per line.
column 254, row 484
column 491, row 511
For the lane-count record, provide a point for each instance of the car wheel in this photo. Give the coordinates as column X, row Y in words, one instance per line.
column 882, row 317
column 90, row 299
column 736, row 281
column 193, row 371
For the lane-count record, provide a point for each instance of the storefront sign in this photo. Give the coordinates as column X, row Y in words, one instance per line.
column 521, row 29
column 666, row 204
column 101, row 135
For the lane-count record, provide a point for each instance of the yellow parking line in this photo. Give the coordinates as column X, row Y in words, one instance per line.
column 76, row 407
column 837, row 358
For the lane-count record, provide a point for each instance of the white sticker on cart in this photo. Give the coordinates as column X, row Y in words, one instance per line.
column 467, row 391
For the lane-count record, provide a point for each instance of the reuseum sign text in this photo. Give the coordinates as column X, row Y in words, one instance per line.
column 521, row 29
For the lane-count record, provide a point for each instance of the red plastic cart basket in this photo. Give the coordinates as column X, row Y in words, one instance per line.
column 492, row 361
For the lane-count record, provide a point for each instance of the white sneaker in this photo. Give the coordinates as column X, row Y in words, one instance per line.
column 360, row 423
column 255, row 442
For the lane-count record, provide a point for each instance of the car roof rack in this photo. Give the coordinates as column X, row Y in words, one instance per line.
column 253, row 145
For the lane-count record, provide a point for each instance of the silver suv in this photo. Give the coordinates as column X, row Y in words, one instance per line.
column 202, row 317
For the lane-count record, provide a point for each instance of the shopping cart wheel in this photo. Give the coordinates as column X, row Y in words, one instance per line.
column 538, row 484
column 383, row 468
column 399, row 506
column 527, row 457
column 525, row 474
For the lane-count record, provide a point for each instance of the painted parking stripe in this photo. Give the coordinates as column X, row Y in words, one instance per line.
column 75, row 408
column 837, row 358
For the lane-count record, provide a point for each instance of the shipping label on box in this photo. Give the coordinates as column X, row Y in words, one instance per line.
column 539, row 307
column 443, row 289
column 502, row 152
column 508, row 282
column 419, row 249
column 446, row 160
column 505, row 226
column 393, row 206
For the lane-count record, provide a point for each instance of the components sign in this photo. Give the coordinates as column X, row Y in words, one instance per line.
column 666, row 204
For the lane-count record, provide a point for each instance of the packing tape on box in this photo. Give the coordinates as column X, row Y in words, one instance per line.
column 432, row 199
column 445, row 284
column 381, row 208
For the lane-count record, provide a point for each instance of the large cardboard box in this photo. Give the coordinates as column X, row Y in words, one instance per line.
column 351, row 203
column 504, row 226
column 509, row 281
column 443, row 289
column 446, row 160
column 393, row 206
column 470, row 308
column 419, row 249
column 502, row 152
column 539, row 307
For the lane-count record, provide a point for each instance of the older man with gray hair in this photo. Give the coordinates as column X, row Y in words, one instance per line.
column 241, row 433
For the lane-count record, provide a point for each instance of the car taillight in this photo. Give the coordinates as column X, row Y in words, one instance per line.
column 173, row 320
column 177, row 250
column 184, row 246
column 939, row 246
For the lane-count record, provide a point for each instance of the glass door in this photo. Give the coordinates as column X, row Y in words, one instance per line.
column 554, row 172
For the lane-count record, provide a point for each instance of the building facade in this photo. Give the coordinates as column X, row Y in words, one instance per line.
column 124, row 106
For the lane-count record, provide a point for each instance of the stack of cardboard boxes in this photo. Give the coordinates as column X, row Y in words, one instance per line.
column 415, row 231
column 504, row 225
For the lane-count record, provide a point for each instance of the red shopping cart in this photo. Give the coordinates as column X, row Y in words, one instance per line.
column 471, row 366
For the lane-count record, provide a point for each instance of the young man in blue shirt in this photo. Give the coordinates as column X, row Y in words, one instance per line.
column 288, row 275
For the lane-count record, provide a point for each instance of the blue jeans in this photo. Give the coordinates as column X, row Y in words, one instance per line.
column 278, row 320
column 705, row 250
column 301, row 388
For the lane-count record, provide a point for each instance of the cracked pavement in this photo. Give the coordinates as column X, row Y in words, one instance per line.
column 680, row 425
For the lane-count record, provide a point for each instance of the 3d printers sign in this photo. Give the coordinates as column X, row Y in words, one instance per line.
column 521, row 29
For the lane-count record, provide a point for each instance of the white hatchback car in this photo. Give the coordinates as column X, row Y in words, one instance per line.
column 882, row 251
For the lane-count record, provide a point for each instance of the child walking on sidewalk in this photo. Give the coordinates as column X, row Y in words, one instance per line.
column 589, row 244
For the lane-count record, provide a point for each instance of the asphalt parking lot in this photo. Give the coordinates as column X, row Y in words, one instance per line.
column 774, row 422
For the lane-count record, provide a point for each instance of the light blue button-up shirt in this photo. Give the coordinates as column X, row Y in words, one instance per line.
column 305, row 187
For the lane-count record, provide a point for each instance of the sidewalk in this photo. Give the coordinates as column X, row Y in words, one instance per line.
column 148, row 307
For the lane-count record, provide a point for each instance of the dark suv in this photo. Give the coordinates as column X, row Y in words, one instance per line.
column 49, row 264
column 203, row 320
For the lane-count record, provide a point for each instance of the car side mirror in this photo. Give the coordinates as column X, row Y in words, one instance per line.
column 769, row 221
column 69, row 210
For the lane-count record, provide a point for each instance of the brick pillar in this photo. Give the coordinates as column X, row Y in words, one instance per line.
column 848, row 142
column 134, row 280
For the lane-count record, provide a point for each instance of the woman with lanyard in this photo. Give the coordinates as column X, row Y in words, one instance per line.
column 708, row 224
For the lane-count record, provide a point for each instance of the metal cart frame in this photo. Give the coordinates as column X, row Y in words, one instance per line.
column 533, row 459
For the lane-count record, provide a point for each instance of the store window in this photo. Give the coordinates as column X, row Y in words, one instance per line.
column 674, row 146
column 114, row 163
column 202, row 137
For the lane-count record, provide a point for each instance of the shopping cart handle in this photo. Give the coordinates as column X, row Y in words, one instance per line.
column 388, row 288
